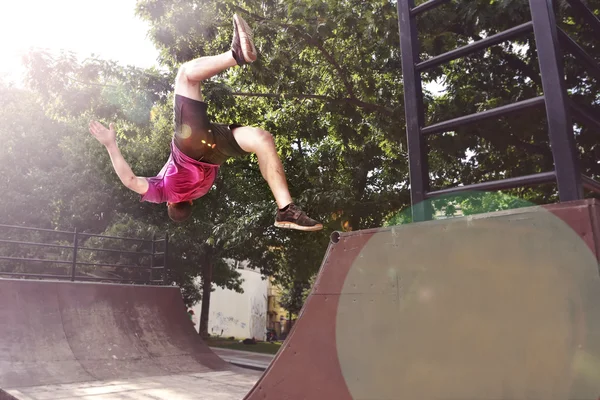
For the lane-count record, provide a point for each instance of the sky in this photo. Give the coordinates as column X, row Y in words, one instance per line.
column 108, row 29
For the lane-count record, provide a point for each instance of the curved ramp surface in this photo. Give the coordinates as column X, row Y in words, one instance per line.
column 63, row 332
column 497, row 306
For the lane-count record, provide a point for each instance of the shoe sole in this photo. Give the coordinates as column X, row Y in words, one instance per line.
column 245, row 34
column 291, row 225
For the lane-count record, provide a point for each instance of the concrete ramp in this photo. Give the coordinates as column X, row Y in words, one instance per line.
column 497, row 306
column 64, row 332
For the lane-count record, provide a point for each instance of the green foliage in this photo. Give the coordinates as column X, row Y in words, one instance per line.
column 463, row 204
column 511, row 146
column 124, row 227
column 294, row 294
column 30, row 157
column 327, row 85
column 293, row 297
column 321, row 90
column 480, row 203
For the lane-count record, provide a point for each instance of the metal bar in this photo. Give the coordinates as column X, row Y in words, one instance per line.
column 508, row 183
column 578, row 51
column 560, row 124
column 36, row 275
column 153, row 248
column 165, row 259
column 445, row 126
column 114, row 237
column 74, row 266
column 96, row 279
column 581, row 114
column 159, row 253
column 115, row 250
column 159, row 240
column 113, row 265
column 590, row 184
column 413, row 108
column 33, row 229
column 157, row 267
column 36, row 244
column 35, row 259
column 586, row 14
column 428, row 5
column 478, row 45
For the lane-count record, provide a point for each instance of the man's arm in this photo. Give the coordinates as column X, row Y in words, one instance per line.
column 108, row 138
column 123, row 170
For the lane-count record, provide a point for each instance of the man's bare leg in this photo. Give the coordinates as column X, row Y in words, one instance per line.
column 252, row 140
column 204, row 68
column 192, row 73
column 261, row 143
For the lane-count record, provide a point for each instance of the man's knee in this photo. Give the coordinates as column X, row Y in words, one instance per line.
column 263, row 138
column 182, row 72
column 180, row 80
column 253, row 139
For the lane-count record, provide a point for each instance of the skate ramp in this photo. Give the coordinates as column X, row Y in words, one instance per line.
column 64, row 332
column 496, row 306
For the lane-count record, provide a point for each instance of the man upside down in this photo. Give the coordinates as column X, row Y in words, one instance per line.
column 199, row 147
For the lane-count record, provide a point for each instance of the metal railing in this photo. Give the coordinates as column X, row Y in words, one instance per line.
column 559, row 108
column 70, row 249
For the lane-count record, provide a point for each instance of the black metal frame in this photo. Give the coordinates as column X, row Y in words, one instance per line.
column 548, row 37
column 413, row 103
column 76, row 248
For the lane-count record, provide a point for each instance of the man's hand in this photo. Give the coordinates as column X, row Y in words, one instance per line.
column 102, row 134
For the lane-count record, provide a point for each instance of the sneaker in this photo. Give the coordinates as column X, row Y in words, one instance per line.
column 294, row 218
column 242, row 45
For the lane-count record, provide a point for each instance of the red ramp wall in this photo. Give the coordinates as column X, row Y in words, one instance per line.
column 496, row 306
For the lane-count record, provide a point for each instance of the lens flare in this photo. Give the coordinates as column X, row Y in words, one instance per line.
column 186, row 131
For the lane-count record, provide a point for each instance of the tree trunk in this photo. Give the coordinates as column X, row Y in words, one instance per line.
column 206, row 291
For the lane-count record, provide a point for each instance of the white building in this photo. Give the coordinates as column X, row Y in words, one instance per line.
column 241, row 315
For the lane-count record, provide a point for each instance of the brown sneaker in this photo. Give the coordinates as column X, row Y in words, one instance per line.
column 294, row 218
column 242, row 45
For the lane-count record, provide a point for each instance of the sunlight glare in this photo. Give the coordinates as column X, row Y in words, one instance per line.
column 108, row 29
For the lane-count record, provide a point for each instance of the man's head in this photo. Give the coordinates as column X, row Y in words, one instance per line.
column 179, row 212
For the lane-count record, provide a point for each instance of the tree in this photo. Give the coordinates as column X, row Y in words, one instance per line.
column 292, row 298
column 30, row 159
column 136, row 101
column 335, row 134
column 214, row 231
column 510, row 146
column 328, row 85
column 333, row 107
column 30, row 156
column 294, row 295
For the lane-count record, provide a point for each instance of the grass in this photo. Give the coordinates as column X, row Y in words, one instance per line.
column 259, row 347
